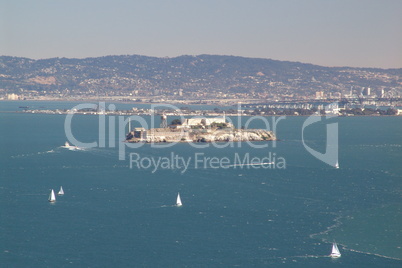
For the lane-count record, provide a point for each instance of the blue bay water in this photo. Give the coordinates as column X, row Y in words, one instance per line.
column 112, row 215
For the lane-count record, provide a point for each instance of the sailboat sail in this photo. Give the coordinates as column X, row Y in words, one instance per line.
column 335, row 251
column 61, row 191
column 52, row 197
column 337, row 164
column 178, row 201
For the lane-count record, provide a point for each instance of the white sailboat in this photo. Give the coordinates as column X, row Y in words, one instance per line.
column 337, row 164
column 70, row 147
column 52, row 197
column 335, row 251
column 178, row 200
column 61, row 191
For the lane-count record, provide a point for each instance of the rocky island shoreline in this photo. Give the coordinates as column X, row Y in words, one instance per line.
column 198, row 130
column 211, row 135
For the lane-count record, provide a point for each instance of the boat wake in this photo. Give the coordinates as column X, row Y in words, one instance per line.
column 337, row 223
column 311, row 256
column 331, row 228
column 370, row 253
column 52, row 151
column 33, row 154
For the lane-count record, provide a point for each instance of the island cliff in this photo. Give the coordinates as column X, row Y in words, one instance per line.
column 156, row 135
column 198, row 130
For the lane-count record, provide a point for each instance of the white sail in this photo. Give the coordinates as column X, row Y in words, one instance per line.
column 66, row 144
column 178, row 201
column 337, row 164
column 335, row 251
column 61, row 191
column 52, row 197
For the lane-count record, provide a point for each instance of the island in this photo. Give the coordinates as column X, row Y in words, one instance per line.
column 198, row 130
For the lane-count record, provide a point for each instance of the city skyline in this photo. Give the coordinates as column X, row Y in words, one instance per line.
column 330, row 33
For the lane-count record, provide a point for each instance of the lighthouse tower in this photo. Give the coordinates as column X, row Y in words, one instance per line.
column 164, row 121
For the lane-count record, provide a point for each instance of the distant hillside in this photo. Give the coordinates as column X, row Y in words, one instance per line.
column 192, row 74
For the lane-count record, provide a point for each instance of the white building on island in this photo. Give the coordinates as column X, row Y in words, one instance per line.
column 203, row 122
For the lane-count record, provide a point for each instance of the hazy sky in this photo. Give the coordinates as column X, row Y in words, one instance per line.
column 361, row 33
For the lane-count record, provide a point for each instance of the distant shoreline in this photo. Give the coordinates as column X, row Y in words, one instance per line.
column 188, row 102
column 194, row 111
column 182, row 114
column 210, row 102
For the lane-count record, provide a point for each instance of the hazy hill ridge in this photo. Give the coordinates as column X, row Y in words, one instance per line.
column 192, row 74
